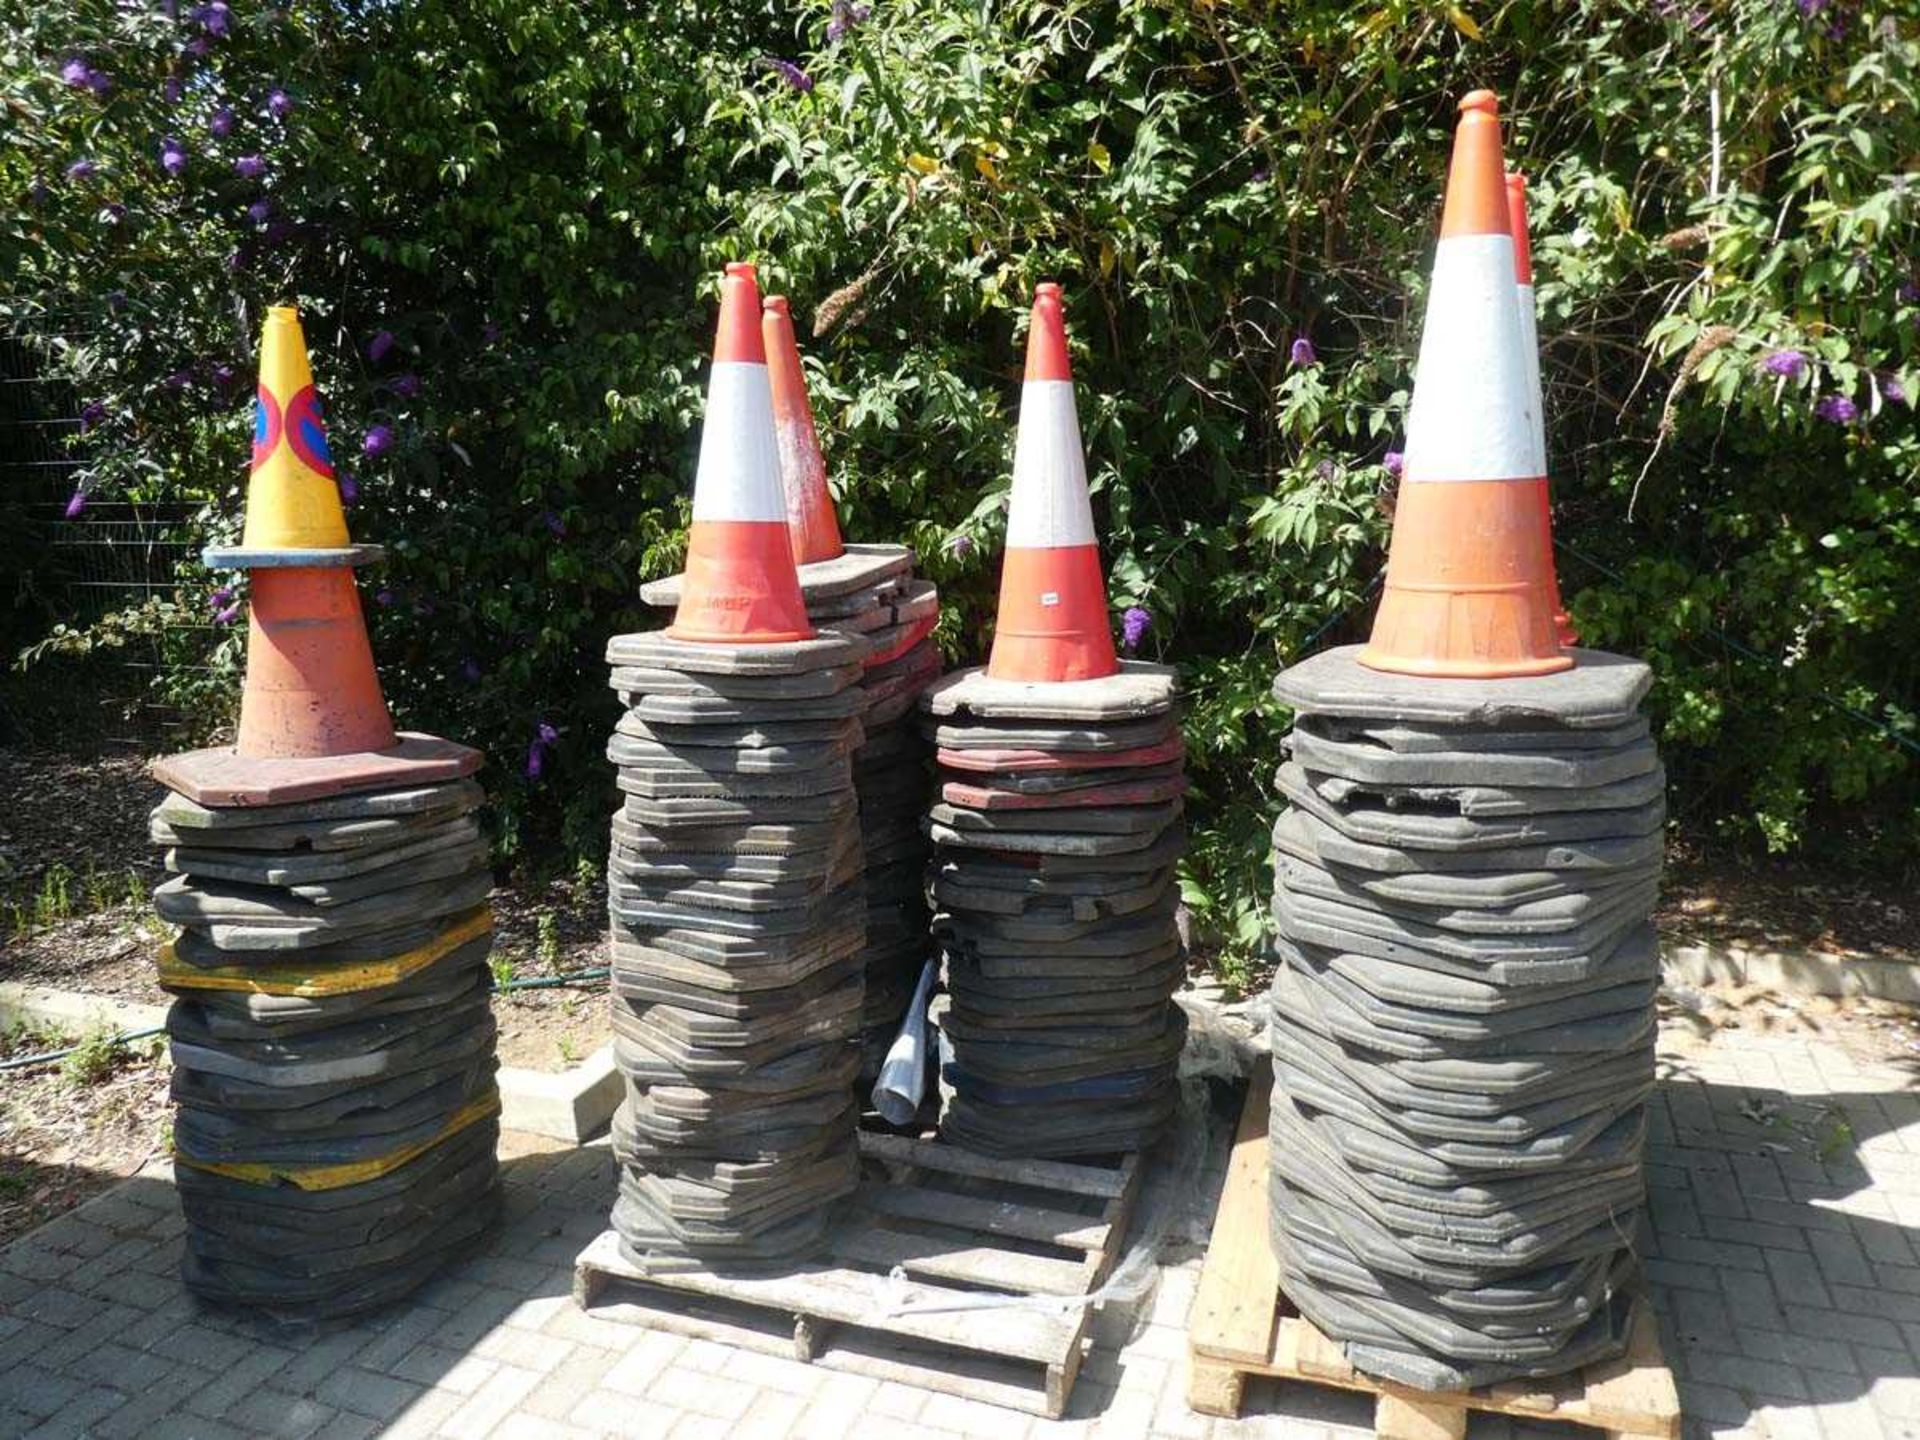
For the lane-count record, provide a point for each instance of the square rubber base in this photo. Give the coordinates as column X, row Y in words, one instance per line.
column 224, row 777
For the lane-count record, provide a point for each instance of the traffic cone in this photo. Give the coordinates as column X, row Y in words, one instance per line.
column 1052, row 621
column 293, row 501
column 1469, row 585
column 814, row 528
column 1530, row 346
column 740, row 585
column 311, row 688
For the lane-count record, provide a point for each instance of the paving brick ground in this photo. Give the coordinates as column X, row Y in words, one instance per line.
column 1784, row 1252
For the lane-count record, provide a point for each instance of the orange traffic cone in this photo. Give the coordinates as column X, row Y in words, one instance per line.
column 1469, row 586
column 1530, row 347
column 740, row 585
column 814, row 528
column 1052, row 621
column 311, row 687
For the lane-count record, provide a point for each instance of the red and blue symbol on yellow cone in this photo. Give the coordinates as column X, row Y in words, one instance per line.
column 293, row 502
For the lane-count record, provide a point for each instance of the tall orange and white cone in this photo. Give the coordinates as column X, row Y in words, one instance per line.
column 814, row 528
column 1052, row 622
column 1469, row 585
column 740, row 585
column 1530, row 346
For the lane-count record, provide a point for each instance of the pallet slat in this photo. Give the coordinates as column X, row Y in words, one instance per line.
column 990, row 1217
column 1041, row 1174
column 1631, row 1397
column 943, row 1259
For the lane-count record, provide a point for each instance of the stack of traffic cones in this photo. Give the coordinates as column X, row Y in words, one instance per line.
column 1056, row 831
column 333, row 1049
column 869, row 591
column 736, row 881
column 1463, row 1018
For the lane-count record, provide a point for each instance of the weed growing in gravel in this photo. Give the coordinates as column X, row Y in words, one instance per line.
column 546, row 947
column 92, row 1058
column 501, row 964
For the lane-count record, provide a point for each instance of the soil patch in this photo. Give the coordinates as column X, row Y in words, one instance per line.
column 1786, row 902
column 70, row 1129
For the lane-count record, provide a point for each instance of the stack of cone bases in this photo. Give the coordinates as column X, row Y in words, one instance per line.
column 868, row 591
column 1463, row 1013
column 735, row 884
column 333, row 1046
column 1056, row 831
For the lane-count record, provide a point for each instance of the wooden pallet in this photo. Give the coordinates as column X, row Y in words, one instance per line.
column 959, row 1225
column 1242, row 1325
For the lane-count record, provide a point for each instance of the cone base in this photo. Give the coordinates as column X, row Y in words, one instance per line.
column 740, row 586
column 1052, row 623
column 222, row 777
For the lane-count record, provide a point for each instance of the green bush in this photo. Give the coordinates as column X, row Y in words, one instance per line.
column 535, row 201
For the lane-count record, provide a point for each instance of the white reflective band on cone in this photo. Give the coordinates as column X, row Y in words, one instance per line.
column 1471, row 417
column 1530, row 352
column 739, row 474
column 1049, row 508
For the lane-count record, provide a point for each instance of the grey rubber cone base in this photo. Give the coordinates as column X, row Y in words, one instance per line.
column 342, row 822
column 1477, row 801
column 806, row 685
column 1066, row 738
column 275, row 867
column 1088, row 820
column 1601, row 690
column 1410, row 738
column 1140, row 689
column 1561, row 769
column 770, row 735
column 657, row 650
column 1308, row 831
column 711, row 710
column 860, row 567
column 251, row 918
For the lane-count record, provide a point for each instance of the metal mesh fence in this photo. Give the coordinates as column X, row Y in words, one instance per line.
column 114, row 554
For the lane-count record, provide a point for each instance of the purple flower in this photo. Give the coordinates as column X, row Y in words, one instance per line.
column 173, row 156
column 279, row 103
column 222, row 595
column 795, row 77
column 1261, row 176
column 1836, row 410
column 222, row 122
column 379, row 345
column 224, row 375
column 1327, row 470
column 1789, row 363
column 846, row 17
column 1302, row 352
column 99, row 82
column 349, row 487
column 278, row 230
column 250, row 167
column 177, row 381
column 236, row 259
column 215, row 18
column 92, row 415
column 77, row 73
column 1134, row 626
column 405, row 386
column 1892, row 389
column 470, row 670
column 383, row 597
column 546, row 733
column 1810, row 8
column 1394, row 461
column 553, row 522
column 260, row 211
column 81, row 170
column 378, row 442
column 226, row 615
column 489, row 333
column 536, row 760
column 116, row 301
column 172, row 88
column 961, row 546
column 76, row 504
column 198, row 47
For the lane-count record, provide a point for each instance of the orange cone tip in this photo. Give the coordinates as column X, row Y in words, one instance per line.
column 740, row 585
column 1530, row 349
column 1469, row 585
column 803, row 473
column 1052, row 623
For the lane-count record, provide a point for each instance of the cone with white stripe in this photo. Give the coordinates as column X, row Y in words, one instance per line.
column 1469, row 587
column 1530, row 345
column 811, row 523
column 740, row 586
column 1052, row 623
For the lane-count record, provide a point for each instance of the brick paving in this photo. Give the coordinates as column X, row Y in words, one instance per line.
column 1783, row 1245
